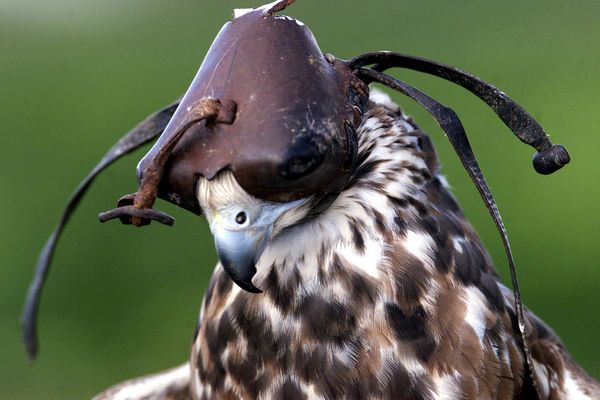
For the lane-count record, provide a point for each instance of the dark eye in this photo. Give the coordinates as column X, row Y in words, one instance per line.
column 240, row 218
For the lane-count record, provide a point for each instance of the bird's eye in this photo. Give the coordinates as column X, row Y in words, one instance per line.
column 240, row 218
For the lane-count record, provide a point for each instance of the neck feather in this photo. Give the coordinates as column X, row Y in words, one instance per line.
column 374, row 208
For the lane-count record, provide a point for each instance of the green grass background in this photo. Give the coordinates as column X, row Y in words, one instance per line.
column 120, row 302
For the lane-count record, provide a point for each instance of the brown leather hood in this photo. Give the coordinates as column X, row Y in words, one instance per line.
column 293, row 132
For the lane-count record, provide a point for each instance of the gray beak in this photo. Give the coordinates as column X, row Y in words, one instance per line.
column 239, row 251
column 240, row 244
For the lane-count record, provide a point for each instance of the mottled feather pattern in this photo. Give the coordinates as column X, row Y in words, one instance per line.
column 388, row 293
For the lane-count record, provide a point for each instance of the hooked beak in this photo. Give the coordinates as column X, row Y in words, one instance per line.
column 241, row 243
column 239, row 251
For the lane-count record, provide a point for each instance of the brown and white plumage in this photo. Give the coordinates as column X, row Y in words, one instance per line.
column 385, row 293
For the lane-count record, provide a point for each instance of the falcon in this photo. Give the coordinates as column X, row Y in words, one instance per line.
column 347, row 269
column 385, row 293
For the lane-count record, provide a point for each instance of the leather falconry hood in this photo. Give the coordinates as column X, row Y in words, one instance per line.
column 266, row 104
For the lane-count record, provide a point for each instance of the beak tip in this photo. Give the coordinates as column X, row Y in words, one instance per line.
column 242, row 276
column 251, row 288
column 244, row 283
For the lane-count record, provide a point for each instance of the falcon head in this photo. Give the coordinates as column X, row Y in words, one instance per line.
column 243, row 225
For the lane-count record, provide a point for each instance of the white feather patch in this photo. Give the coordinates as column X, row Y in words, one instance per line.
column 378, row 96
column 368, row 261
column 457, row 241
column 571, row 388
column 447, row 389
column 419, row 245
column 476, row 310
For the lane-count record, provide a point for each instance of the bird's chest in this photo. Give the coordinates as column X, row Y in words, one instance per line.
column 275, row 345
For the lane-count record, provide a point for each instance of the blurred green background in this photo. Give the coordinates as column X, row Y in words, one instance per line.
column 120, row 302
